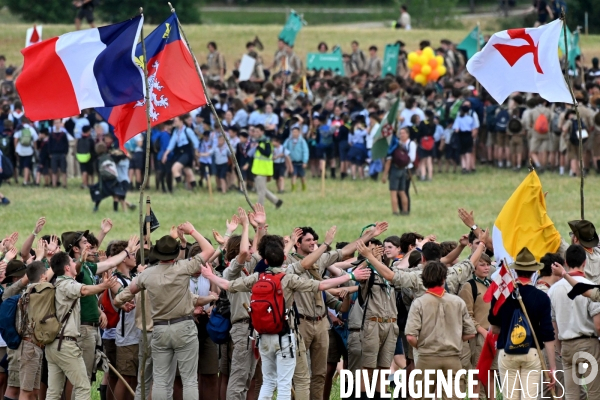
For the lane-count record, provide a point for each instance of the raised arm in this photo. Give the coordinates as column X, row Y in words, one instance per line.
column 308, row 261
column 260, row 219
column 244, row 243
column 454, row 254
column 378, row 229
column 105, row 227
column 206, row 249
column 107, row 283
column 208, row 273
column 380, row 267
column 359, row 274
column 132, row 246
column 26, row 247
column 469, row 220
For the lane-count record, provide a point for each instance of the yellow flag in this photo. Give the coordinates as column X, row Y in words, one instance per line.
column 524, row 222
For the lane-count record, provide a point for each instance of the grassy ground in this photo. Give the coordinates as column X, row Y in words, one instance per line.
column 231, row 39
column 349, row 205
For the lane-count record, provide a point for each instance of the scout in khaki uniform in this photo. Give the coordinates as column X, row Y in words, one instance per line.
column 175, row 335
column 278, row 369
column 64, row 355
column 584, row 233
column 216, row 63
column 437, row 325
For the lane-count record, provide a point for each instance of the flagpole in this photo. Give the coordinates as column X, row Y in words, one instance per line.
column 141, row 218
column 537, row 345
column 575, row 105
column 212, row 108
column 477, row 85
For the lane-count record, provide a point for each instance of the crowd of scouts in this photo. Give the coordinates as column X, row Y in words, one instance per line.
column 377, row 302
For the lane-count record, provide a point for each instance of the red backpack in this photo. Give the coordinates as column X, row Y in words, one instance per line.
column 112, row 315
column 267, row 305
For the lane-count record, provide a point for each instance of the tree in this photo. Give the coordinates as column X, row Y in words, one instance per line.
column 49, row 11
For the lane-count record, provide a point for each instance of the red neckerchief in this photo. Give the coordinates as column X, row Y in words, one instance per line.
column 577, row 273
column 524, row 281
column 588, row 250
column 245, row 271
column 543, row 283
column 437, row 291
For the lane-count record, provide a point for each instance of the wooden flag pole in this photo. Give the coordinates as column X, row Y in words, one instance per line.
column 141, row 219
column 537, row 344
column 575, row 105
column 212, row 108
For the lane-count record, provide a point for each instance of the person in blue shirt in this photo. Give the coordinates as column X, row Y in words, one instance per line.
column 465, row 127
column 257, row 117
column 205, row 158
column 160, row 141
column 183, row 145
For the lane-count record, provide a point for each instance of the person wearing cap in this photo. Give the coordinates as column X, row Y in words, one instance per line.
column 65, row 358
column 175, row 336
column 262, row 165
column 514, row 367
column 584, row 233
column 577, row 324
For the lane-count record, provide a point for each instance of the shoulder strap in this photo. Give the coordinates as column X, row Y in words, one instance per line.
column 63, row 322
column 473, row 289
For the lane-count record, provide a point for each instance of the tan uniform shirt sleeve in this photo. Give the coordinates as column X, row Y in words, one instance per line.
column 13, row 290
column 332, row 302
column 72, row 289
column 297, row 284
column 595, row 296
column 233, row 270
column 243, row 284
column 414, row 320
column 459, row 274
column 407, row 279
column 123, row 297
column 190, row 266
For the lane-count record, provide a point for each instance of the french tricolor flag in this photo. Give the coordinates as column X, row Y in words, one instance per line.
column 78, row 70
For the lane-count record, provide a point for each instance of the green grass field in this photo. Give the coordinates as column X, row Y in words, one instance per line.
column 349, row 205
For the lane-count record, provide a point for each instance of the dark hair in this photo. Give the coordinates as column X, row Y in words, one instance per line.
column 394, row 240
column 92, row 239
column 47, row 238
column 194, row 250
column 341, row 245
column 355, row 42
column 233, row 247
column 323, row 44
column 306, row 230
column 58, row 262
column 548, row 260
column 260, row 127
column 213, row 44
column 118, row 247
column 434, row 274
column 374, row 48
column 575, row 256
column 409, row 239
column 524, row 274
column 35, row 270
column 271, row 248
column 472, row 237
column 431, row 251
column 447, row 247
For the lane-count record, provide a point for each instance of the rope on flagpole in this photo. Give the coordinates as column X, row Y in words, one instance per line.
column 141, row 220
column 537, row 344
column 212, row 108
column 563, row 17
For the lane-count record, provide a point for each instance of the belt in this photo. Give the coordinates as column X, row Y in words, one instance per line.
column 582, row 337
column 30, row 340
column 312, row 319
column 243, row 321
column 382, row 320
column 172, row 321
column 94, row 324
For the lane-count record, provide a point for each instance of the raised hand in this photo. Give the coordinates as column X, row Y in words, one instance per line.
column 466, row 217
column 464, row 240
column 53, row 246
column 330, row 235
column 10, row 255
column 39, row 225
column 380, row 227
column 207, row 271
column 2, row 270
column 133, row 244
column 557, row 269
column 243, row 217
column 362, row 273
column 232, row 225
column 187, row 228
column 181, row 236
column 378, row 252
column 252, row 220
column 108, row 281
column 173, row 232
column 102, row 255
column 106, row 225
column 41, row 251
column 485, row 235
column 362, row 248
column 10, row 241
column 296, row 234
column 260, row 217
column 220, row 239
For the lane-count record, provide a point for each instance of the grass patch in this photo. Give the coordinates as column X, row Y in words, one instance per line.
column 349, row 205
column 279, row 18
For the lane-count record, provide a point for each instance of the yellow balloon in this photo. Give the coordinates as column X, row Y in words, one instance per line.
column 440, row 60
column 426, row 70
column 410, row 64
column 428, row 52
column 422, row 79
column 423, row 59
column 441, row 70
column 413, row 57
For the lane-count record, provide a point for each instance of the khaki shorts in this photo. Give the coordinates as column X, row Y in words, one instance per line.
column 14, row 361
column 572, row 151
column 596, row 143
column 378, row 343
column 2, row 354
column 502, row 139
column 538, row 143
column 516, row 144
column 553, row 142
column 128, row 359
column 110, row 349
column 30, row 369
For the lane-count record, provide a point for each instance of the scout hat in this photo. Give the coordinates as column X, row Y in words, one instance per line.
column 525, row 261
column 70, row 239
column 166, row 249
column 515, row 126
column 585, row 232
column 14, row 268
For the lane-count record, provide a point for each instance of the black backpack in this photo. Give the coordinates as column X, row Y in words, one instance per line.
column 490, row 117
column 502, row 119
column 574, row 136
column 7, row 169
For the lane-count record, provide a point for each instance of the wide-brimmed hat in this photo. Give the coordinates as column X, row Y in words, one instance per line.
column 166, row 249
column 585, row 232
column 526, row 261
column 70, row 239
column 515, row 125
column 14, row 268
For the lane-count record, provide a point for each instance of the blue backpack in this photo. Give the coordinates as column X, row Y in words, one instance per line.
column 219, row 325
column 8, row 328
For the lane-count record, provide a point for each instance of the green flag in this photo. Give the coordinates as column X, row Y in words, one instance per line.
column 573, row 42
column 390, row 60
column 326, row 61
column 469, row 44
column 291, row 28
column 383, row 136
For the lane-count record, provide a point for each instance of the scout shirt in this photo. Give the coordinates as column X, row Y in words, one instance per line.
column 216, row 63
column 477, row 308
column 309, row 304
column 168, row 288
column 592, row 265
column 381, row 298
column 290, row 284
column 67, row 291
column 543, row 286
column 439, row 324
column 374, row 67
column 13, row 290
column 234, row 271
column 89, row 304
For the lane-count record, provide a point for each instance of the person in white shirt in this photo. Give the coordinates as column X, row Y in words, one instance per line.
column 410, row 110
column 357, row 139
column 80, row 122
column 24, row 141
column 465, row 126
column 399, row 179
column 577, row 323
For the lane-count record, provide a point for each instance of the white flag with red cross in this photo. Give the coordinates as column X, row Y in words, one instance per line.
column 522, row 60
column 501, row 287
column 33, row 35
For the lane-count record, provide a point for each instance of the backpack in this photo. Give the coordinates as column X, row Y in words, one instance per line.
column 400, row 157
column 84, row 150
column 554, row 127
column 502, row 119
column 5, row 144
column 8, row 325
column 38, row 310
column 7, row 168
column 219, row 324
column 26, row 138
column 520, row 339
column 113, row 315
column 490, row 117
column 427, row 143
column 574, row 137
column 541, row 125
column 107, row 168
column 267, row 305
column 455, row 109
